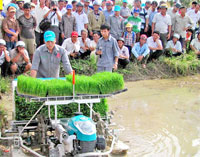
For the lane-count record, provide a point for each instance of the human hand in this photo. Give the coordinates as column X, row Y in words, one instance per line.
column 140, row 58
column 115, row 66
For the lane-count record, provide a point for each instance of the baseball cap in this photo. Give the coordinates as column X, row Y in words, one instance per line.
column 49, row 36
column 2, row 42
column 136, row 10
column 69, row 6
column 143, row 36
column 176, row 36
column 109, row 3
column 125, row 1
column 117, row 8
column 11, row 9
column 20, row 44
column 177, row 5
column 74, row 34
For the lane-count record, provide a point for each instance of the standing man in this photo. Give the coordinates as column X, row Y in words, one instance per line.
column 95, row 18
column 116, row 23
column 162, row 23
column 194, row 14
column 151, row 13
column 55, row 16
column 10, row 28
column 27, row 25
column 20, row 11
column 86, row 8
column 173, row 12
column 182, row 23
column 109, row 9
column 108, row 51
column 68, row 24
column 40, row 11
column 61, row 7
column 47, row 58
column 81, row 18
column 125, row 11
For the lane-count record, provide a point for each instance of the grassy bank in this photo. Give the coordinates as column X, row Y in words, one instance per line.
column 184, row 65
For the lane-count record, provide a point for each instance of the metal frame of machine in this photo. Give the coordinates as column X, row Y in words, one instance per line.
column 89, row 100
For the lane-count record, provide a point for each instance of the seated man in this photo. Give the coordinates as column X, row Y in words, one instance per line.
column 20, row 59
column 72, row 45
column 93, row 43
column 123, row 53
column 84, row 43
column 195, row 45
column 155, row 46
column 173, row 47
column 4, row 58
column 141, row 51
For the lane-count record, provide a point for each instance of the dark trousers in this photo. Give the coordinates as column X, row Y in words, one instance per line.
column 123, row 62
column 5, row 69
column 169, row 54
column 56, row 30
column 85, row 54
column 155, row 55
column 163, row 38
column 39, row 38
column 129, row 49
column 182, row 41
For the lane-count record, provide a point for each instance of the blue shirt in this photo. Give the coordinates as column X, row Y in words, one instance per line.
column 137, row 50
column 151, row 15
column 109, row 49
column 107, row 14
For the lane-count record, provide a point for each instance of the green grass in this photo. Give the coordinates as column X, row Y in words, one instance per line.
column 4, row 85
column 183, row 65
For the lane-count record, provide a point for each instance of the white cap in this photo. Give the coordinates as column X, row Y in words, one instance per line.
column 20, row 43
column 176, row 36
column 2, row 42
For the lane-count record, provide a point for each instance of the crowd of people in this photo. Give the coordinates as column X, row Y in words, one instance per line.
column 39, row 35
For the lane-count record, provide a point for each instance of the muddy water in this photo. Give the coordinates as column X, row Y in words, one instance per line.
column 161, row 117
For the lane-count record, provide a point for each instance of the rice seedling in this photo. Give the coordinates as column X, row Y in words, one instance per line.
column 109, row 82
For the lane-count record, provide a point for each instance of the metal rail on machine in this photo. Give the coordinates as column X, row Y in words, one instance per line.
column 89, row 100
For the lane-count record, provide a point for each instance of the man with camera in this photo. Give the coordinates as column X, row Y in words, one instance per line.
column 40, row 11
column 55, row 16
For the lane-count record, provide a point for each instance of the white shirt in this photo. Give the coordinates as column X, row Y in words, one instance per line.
column 71, row 47
column 81, row 20
column 82, row 44
column 124, row 52
column 152, row 43
column 39, row 15
column 177, row 46
column 63, row 10
column 54, row 19
column 2, row 57
column 196, row 44
column 162, row 22
column 194, row 16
